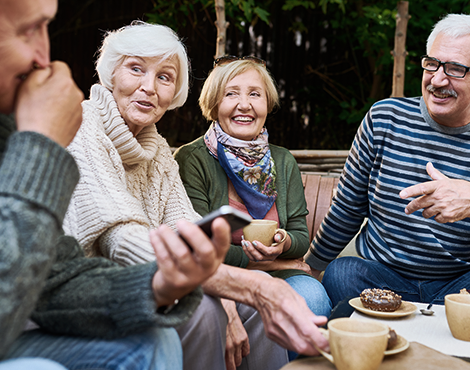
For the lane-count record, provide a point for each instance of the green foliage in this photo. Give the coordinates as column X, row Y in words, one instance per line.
column 291, row 4
column 339, row 86
column 176, row 14
column 262, row 14
column 323, row 4
column 340, row 3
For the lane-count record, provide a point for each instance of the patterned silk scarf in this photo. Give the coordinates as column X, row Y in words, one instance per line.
column 249, row 166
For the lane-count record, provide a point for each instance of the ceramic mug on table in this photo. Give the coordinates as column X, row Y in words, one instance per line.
column 458, row 315
column 356, row 344
column 262, row 231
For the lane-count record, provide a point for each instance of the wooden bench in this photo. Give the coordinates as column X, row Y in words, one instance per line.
column 319, row 190
column 318, row 193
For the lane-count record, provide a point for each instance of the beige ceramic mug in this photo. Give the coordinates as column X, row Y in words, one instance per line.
column 262, row 231
column 458, row 315
column 356, row 344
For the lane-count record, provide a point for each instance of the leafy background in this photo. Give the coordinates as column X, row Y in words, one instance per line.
column 331, row 58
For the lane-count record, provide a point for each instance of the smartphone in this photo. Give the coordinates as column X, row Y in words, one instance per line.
column 234, row 217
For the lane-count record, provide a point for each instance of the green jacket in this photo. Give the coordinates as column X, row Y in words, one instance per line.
column 44, row 274
column 206, row 184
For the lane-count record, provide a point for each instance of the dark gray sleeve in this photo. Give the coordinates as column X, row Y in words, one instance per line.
column 37, row 178
column 97, row 297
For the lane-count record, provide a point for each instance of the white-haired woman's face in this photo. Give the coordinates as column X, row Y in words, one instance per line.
column 144, row 88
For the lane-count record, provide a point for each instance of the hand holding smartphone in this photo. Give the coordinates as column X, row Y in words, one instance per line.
column 234, row 217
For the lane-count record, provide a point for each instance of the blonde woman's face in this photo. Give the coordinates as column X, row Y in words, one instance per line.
column 244, row 106
column 144, row 88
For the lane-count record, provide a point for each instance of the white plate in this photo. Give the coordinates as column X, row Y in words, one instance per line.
column 406, row 308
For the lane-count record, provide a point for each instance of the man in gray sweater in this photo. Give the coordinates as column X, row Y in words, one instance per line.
column 44, row 277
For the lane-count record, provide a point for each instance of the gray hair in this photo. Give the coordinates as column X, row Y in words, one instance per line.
column 453, row 25
column 143, row 40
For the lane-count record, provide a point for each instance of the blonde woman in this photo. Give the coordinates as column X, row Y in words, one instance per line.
column 233, row 163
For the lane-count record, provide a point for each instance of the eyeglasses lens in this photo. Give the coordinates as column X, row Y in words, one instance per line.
column 450, row 69
column 456, row 70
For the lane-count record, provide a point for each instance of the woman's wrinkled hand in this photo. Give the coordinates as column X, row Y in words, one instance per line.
column 237, row 344
column 257, row 251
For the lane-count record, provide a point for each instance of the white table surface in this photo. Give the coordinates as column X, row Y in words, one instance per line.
column 432, row 331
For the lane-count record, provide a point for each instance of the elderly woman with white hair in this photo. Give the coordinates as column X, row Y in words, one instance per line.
column 129, row 181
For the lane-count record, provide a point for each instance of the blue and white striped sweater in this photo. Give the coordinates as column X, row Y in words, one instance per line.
column 389, row 153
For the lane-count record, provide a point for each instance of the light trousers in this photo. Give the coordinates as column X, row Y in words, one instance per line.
column 203, row 339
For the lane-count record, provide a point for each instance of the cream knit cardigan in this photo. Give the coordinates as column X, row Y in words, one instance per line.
column 127, row 186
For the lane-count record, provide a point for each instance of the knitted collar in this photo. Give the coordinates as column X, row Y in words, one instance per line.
column 132, row 150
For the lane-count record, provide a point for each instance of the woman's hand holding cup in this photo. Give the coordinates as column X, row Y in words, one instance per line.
column 263, row 241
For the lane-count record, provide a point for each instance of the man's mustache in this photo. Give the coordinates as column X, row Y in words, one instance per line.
column 433, row 89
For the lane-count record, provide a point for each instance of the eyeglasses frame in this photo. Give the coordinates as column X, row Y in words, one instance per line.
column 443, row 64
column 227, row 59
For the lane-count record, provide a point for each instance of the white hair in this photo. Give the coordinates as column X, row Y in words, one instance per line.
column 453, row 25
column 143, row 40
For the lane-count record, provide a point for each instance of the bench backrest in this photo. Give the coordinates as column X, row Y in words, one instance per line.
column 318, row 191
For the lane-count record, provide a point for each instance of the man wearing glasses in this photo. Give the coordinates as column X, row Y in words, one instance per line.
column 407, row 173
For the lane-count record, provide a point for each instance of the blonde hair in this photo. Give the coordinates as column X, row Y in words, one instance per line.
column 213, row 90
column 143, row 40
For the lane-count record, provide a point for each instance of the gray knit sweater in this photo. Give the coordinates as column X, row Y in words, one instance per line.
column 43, row 274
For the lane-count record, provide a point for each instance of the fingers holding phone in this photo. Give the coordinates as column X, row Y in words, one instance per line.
column 206, row 250
column 190, row 256
column 182, row 267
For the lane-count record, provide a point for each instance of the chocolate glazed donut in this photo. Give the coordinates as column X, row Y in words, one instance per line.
column 380, row 300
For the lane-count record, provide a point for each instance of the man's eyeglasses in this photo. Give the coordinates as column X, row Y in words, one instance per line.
column 226, row 59
column 451, row 69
